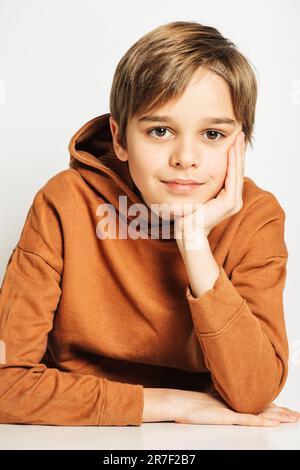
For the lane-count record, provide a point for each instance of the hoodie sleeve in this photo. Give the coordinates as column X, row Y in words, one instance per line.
column 240, row 321
column 31, row 393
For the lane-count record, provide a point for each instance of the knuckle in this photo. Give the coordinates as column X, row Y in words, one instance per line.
column 230, row 205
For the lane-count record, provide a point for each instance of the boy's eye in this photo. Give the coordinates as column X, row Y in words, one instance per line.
column 161, row 130
column 155, row 129
column 214, row 134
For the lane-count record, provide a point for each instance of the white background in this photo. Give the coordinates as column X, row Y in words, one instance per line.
column 57, row 60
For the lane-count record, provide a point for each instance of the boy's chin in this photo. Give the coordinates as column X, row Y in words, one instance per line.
column 184, row 209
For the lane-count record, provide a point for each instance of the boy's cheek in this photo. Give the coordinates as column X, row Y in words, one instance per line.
column 218, row 167
column 216, row 188
column 217, row 181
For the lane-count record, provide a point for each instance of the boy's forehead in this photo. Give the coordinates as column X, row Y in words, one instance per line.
column 216, row 104
column 203, row 118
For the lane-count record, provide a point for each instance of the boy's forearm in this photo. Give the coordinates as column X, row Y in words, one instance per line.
column 201, row 267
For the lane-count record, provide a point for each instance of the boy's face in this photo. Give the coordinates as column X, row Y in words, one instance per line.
column 185, row 146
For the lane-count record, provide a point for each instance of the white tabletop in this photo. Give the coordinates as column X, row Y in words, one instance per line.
column 150, row 436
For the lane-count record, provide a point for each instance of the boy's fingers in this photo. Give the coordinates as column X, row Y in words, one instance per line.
column 243, row 158
column 230, row 181
column 289, row 413
column 244, row 419
column 238, row 147
column 240, row 165
column 283, row 416
column 274, row 407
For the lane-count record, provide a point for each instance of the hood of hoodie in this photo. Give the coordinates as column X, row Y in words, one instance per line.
column 92, row 155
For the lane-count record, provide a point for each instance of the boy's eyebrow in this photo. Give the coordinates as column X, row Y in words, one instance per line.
column 208, row 120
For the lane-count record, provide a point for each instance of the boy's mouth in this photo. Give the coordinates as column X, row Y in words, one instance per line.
column 181, row 186
column 182, row 181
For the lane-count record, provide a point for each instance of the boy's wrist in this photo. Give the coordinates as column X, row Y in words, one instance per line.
column 161, row 404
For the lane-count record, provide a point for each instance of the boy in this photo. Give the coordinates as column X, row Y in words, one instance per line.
column 106, row 323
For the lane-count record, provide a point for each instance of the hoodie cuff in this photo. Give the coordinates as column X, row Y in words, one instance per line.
column 214, row 309
column 123, row 404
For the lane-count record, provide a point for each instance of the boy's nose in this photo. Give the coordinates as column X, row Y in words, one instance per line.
column 185, row 159
column 186, row 154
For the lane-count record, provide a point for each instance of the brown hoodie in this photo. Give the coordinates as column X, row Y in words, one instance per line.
column 86, row 323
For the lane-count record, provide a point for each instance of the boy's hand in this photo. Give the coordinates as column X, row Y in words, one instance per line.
column 228, row 201
column 189, row 407
column 284, row 415
column 210, row 408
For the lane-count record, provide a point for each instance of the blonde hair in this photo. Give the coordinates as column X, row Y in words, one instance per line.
column 158, row 67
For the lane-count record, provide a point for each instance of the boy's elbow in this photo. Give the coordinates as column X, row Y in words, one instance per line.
column 255, row 402
column 255, row 398
column 250, row 407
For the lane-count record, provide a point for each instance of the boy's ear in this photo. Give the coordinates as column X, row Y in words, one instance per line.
column 119, row 150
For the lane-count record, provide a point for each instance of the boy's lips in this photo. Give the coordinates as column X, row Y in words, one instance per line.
column 181, row 186
column 182, row 181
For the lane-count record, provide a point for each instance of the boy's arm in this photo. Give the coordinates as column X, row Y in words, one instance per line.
column 31, row 393
column 240, row 321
